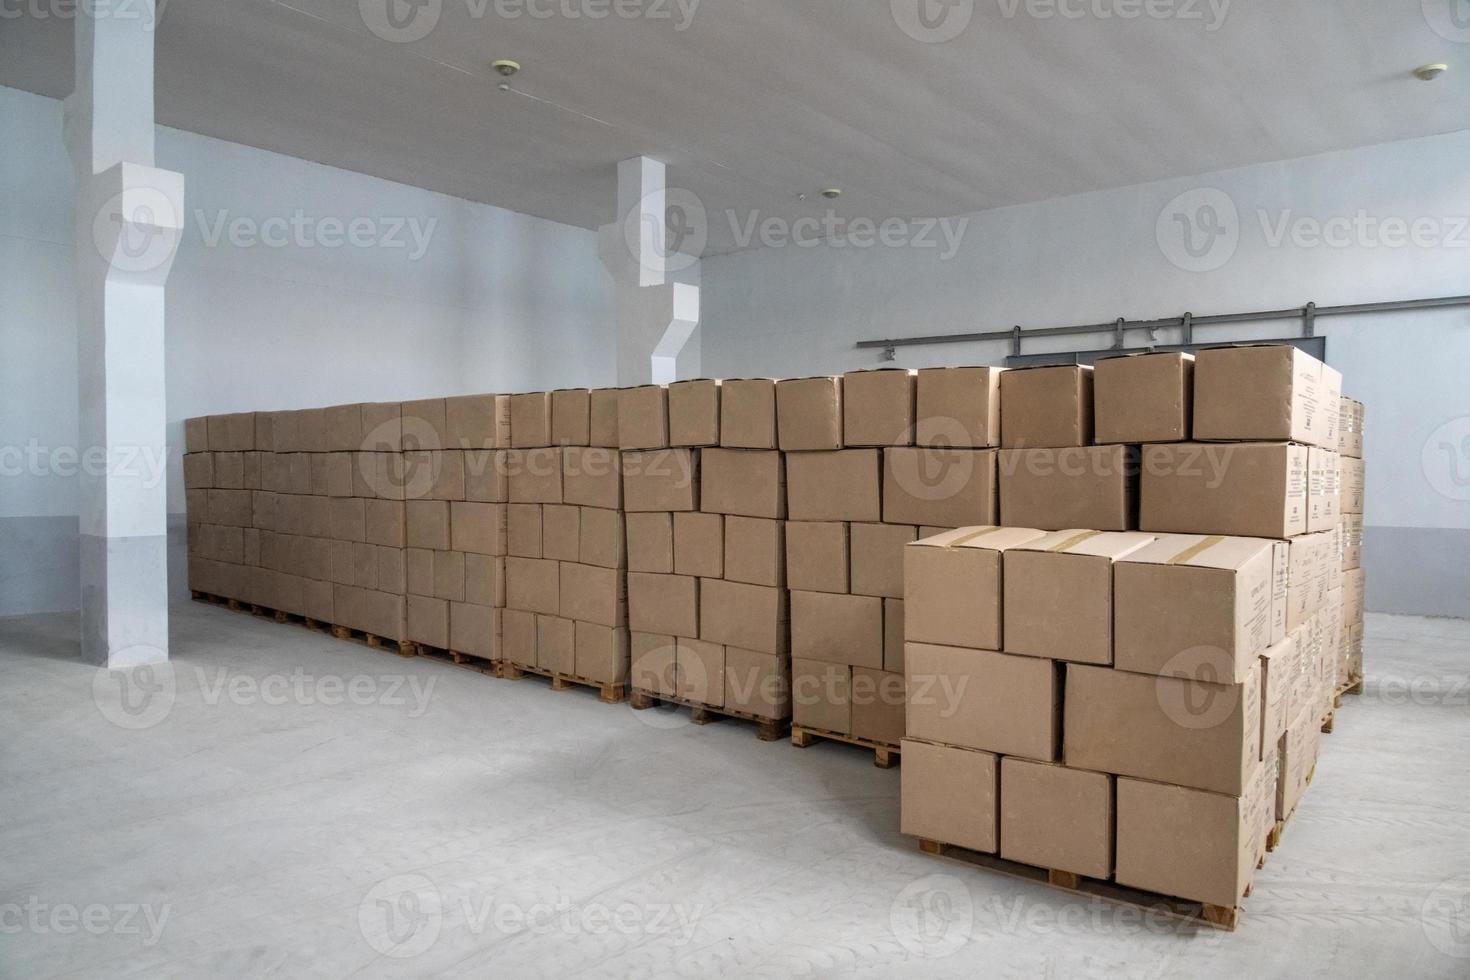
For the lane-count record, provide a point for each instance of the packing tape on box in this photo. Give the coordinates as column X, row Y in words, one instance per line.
column 1074, row 541
column 971, row 537
column 1194, row 550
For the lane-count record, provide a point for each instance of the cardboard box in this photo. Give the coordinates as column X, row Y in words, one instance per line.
column 425, row 425
column 478, row 528
column 700, row 671
column 1279, row 667
column 340, row 479
column 428, row 621
column 1256, row 490
column 817, row 556
column 1350, row 535
column 348, row 520
column 198, row 471
column 650, row 542
column 1195, row 607
column 839, row 629
column 561, row 532
column 1265, row 393
column 382, row 428
column 1324, row 490
column 602, row 540
column 392, row 575
column 952, row 593
column 1144, row 397
column 699, row 545
column 344, row 428
column 534, row 475
column 1354, row 603
column 757, row 683
column 449, row 575
column 230, row 433
column 983, row 700
column 1300, row 747
column 385, row 522
column 893, row 635
column 752, row 617
column 743, row 482
column 1349, row 427
column 664, row 479
column 591, row 594
column 1091, row 487
column 755, row 551
column 950, row 795
column 694, row 413
column 664, row 604
column 959, row 407
column 1056, row 818
column 834, row 486
column 533, row 585
column 474, row 630
column 1310, row 566
column 523, row 534
column 592, row 477
column 877, row 558
column 484, row 580
column 518, row 637
column 1058, row 594
column 878, row 705
column 878, row 407
column 653, row 666
column 643, row 417
column 748, row 413
column 939, row 487
column 809, row 414
column 603, row 427
column 556, row 644
column 1185, row 732
column 571, row 417
column 530, row 420
column 196, row 435
column 821, row 696
column 1350, row 481
column 478, row 422
column 1047, row 407
column 487, row 476
column 602, row 653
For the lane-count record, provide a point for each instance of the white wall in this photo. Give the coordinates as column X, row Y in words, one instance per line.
column 497, row 301
column 795, row 310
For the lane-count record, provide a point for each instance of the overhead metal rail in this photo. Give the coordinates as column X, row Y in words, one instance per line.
column 1187, row 323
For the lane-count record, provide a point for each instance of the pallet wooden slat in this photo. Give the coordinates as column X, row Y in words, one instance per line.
column 885, row 754
column 609, row 692
column 766, row 729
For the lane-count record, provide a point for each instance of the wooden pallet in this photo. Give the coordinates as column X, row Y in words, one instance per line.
column 767, row 729
column 610, row 692
column 1273, row 838
column 480, row 665
column 1329, row 722
column 401, row 648
column 1353, row 687
column 1200, row 913
column 256, row 609
column 885, row 754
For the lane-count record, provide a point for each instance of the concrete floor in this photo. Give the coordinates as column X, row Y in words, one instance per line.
column 236, row 816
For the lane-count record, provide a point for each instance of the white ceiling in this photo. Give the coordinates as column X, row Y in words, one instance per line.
column 757, row 100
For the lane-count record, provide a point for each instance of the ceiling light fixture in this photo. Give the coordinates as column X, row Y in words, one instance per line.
column 505, row 68
column 832, row 193
column 1428, row 73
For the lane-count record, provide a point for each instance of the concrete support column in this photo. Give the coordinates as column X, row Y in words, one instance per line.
column 129, row 216
column 652, row 254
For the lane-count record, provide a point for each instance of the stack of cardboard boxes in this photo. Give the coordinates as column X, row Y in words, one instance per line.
column 1350, row 546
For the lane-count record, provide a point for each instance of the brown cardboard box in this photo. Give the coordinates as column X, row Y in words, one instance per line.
column 198, row 471
column 1301, row 746
column 821, row 695
column 530, row 420
column 1184, row 732
column 839, row 629
column 386, row 522
column 604, row 422
column 1349, row 427
column 428, row 621
column 348, row 519
column 518, row 637
column 556, row 644
column 939, row 487
column 878, row 407
column 1046, row 407
column 476, row 527
column 344, row 428
column 643, row 417
column 1350, row 531
column 752, row 617
column 231, row 433
column 478, row 422
column 602, row 541
column 1354, row 585
column 748, row 413
column 755, row 551
column 983, row 700
column 592, row 477
column 650, row 542
column 665, row 479
column 340, row 480
column 877, row 558
column 484, row 580
column 533, row 585
column 743, row 482
column 893, row 635
column 602, row 653
column 699, row 545
column 1089, row 487
column 1254, row 489
column 654, row 664
column 1324, row 490
column 449, row 575
column 474, row 630
column 952, row 593
column 700, row 671
column 1055, row 817
column 1265, row 393
column 1195, row 607
column 1350, row 482
column 757, row 683
column 523, row 531
column 1279, row 666
column 959, row 407
column 664, row 604
column 877, row 705
column 425, row 425
column 561, row 532
column 1058, row 594
column 1310, row 565
column 233, row 507
column 591, row 594
column 950, row 795
column 1144, row 397
column 809, row 414
column 694, row 413
column 571, row 417
column 487, row 476
column 382, row 428
column 834, row 486
column 817, row 556
column 534, row 475
column 196, row 435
